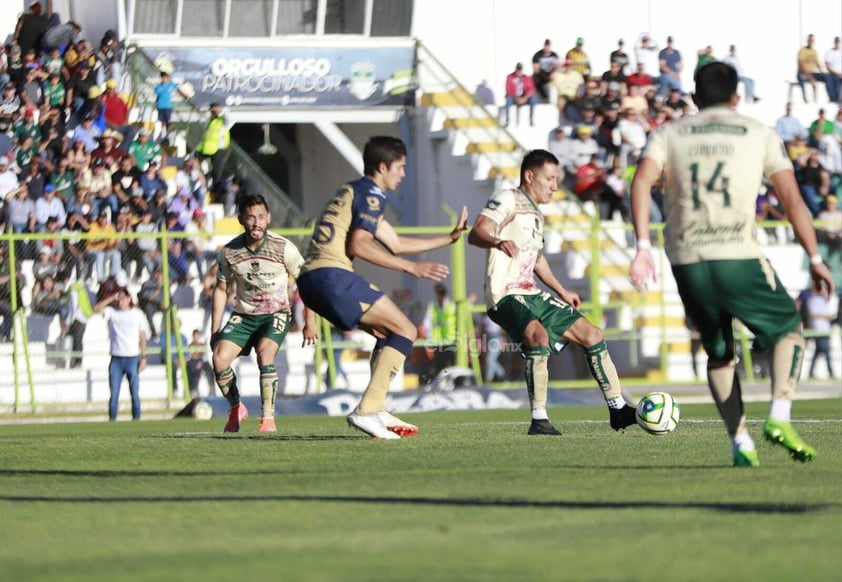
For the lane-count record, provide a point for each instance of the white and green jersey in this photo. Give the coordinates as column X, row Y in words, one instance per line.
column 713, row 165
column 518, row 219
column 261, row 276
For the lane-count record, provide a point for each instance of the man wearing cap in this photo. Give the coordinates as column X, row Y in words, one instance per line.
column 833, row 79
column 567, row 82
column 49, row 205
column 27, row 126
column 144, row 149
column 151, row 180
column 116, row 110
column 581, row 61
column 99, row 185
column 10, row 104
column 183, row 205
column 646, row 54
column 214, row 144
column 108, row 151
column 732, row 59
column 621, row 56
column 100, row 250
column 520, row 90
column 582, row 148
column 543, row 64
column 78, row 87
column 125, row 179
column 32, row 91
column 87, row 133
column 670, row 66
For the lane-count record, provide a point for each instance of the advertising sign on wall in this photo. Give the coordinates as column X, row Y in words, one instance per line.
column 316, row 77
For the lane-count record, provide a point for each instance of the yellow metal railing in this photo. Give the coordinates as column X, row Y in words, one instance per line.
column 467, row 354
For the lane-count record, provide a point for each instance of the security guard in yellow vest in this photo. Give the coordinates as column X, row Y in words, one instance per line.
column 440, row 326
column 215, row 142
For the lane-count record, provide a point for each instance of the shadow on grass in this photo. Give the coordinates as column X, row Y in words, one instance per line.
column 726, row 507
column 261, row 437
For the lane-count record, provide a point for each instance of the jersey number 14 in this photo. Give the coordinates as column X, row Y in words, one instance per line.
column 710, row 186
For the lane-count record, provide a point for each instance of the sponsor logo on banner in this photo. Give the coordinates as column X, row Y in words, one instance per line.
column 288, row 77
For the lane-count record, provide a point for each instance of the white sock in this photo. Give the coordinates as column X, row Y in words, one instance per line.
column 539, row 414
column 616, row 403
column 781, row 410
column 742, row 441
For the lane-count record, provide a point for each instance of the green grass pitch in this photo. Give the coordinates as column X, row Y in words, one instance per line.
column 470, row 498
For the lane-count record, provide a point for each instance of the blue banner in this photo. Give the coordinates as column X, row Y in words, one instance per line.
column 342, row 402
column 287, row 78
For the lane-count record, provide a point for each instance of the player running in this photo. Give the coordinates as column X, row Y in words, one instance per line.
column 713, row 164
column 259, row 264
column 351, row 226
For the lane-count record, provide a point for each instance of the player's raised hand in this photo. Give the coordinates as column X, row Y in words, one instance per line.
column 509, row 247
column 461, row 225
column 642, row 270
column 433, row 271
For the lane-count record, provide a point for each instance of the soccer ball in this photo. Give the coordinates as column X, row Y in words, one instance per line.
column 657, row 413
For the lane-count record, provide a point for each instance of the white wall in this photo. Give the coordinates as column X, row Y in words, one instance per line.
column 12, row 9
column 482, row 39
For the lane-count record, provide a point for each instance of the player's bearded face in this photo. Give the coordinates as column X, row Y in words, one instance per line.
column 255, row 220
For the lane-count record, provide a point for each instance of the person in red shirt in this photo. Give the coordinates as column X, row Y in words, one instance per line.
column 640, row 78
column 520, row 90
column 116, row 110
column 591, row 185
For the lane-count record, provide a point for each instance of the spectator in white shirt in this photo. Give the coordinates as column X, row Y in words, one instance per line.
column 127, row 330
column 49, row 205
column 733, row 60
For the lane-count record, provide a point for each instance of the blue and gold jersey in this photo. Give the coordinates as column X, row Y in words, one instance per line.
column 359, row 204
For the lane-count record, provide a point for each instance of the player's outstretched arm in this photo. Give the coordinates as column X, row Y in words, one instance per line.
column 482, row 236
column 642, row 269
column 410, row 245
column 796, row 211
column 363, row 245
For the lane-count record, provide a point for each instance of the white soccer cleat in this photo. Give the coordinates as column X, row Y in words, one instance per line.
column 371, row 424
column 396, row 425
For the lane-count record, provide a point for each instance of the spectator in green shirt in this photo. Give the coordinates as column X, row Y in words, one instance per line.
column 143, row 149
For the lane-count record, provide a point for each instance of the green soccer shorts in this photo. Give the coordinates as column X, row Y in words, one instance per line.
column 514, row 312
column 716, row 292
column 247, row 330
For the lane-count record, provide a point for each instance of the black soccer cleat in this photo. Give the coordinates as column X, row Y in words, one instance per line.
column 620, row 418
column 543, row 427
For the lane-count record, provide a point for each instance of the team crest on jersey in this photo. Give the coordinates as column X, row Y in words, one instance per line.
column 492, row 205
column 373, row 202
column 254, row 266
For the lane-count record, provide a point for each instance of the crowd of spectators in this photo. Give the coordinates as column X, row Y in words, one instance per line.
column 72, row 163
column 605, row 118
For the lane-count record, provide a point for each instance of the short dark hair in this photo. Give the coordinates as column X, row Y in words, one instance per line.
column 716, row 84
column 250, row 200
column 382, row 149
column 535, row 160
